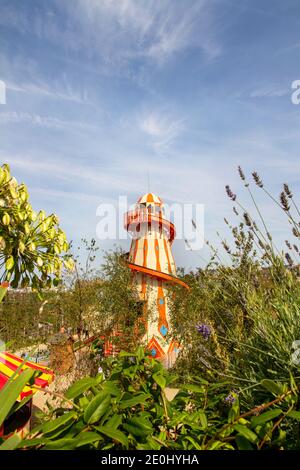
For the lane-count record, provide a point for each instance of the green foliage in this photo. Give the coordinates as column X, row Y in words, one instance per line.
column 31, row 244
column 11, row 391
column 118, row 299
column 98, row 300
column 250, row 303
column 128, row 409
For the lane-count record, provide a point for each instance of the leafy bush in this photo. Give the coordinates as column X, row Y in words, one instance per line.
column 129, row 410
column 31, row 244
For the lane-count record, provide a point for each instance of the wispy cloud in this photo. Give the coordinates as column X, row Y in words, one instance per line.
column 264, row 90
column 269, row 92
column 54, row 91
column 135, row 29
column 72, row 195
column 162, row 128
column 19, row 117
column 121, row 31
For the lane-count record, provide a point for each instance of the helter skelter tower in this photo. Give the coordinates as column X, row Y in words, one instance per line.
column 151, row 261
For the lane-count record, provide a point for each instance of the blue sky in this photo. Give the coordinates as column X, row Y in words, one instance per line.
column 101, row 93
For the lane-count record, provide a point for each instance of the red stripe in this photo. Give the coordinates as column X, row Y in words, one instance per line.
column 32, row 365
column 3, row 380
column 25, row 394
column 38, row 381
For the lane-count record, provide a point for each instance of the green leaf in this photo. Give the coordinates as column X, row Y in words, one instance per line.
column 11, row 391
column 97, row 407
column 87, row 437
column 243, row 443
column 10, row 263
column 61, row 444
column 234, row 412
column 200, row 380
column 114, row 422
column 203, row 419
column 114, row 434
column 294, row 414
column 140, row 353
column 112, row 389
column 83, row 402
column 139, row 427
column 193, row 442
column 66, row 418
column 216, row 445
column 126, row 354
column 160, row 380
column 32, row 442
column 19, row 405
column 265, row 417
column 11, row 443
column 79, row 387
column 246, row 432
column 152, row 444
column 193, row 388
column 135, row 400
column 271, row 386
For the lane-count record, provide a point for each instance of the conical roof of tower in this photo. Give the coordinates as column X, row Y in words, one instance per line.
column 150, row 198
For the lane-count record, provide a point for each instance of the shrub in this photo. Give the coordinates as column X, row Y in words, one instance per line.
column 128, row 409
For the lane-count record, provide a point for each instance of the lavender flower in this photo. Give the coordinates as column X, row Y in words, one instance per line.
column 287, row 191
column 230, row 194
column 284, row 201
column 241, row 173
column 257, row 179
column 204, row 330
column 231, row 398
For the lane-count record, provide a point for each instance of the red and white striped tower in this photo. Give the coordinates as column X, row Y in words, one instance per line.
column 151, row 261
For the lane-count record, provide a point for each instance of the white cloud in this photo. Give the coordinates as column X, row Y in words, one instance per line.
column 162, row 128
column 54, row 91
column 269, row 91
column 154, row 29
column 53, row 194
column 20, row 117
column 119, row 31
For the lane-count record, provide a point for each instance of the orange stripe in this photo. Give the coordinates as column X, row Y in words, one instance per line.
column 161, row 307
column 167, row 255
column 145, row 252
column 156, row 249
